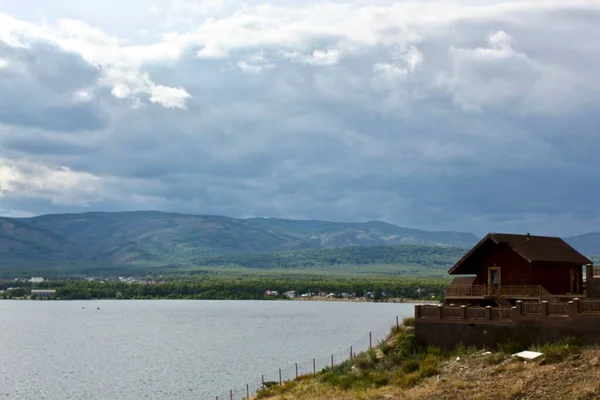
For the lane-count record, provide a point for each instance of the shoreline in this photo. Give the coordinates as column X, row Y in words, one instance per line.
column 398, row 301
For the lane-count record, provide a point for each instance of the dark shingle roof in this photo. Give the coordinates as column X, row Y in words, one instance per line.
column 541, row 248
column 466, row 281
column 530, row 247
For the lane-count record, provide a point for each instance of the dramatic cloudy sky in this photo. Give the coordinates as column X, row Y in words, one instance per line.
column 475, row 115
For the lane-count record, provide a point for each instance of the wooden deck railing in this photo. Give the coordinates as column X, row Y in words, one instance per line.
column 532, row 308
column 523, row 310
column 586, row 306
column 501, row 313
column 451, row 312
column 476, row 313
column 533, row 291
column 466, row 290
column 558, row 309
column 519, row 290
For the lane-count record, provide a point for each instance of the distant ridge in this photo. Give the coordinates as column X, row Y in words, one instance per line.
column 139, row 237
column 153, row 238
column 588, row 243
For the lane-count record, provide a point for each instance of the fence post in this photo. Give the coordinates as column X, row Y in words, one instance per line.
column 262, row 380
column 439, row 312
column 488, row 313
column 280, row 380
column 397, row 323
column 519, row 305
column 577, row 302
column 332, row 361
column 571, row 308
column 463, row 312
column 544, row 308
column 351, row 352
column 314, row 367
column 517, row 310
column 247, row 392
column 296, row 370
column 417, row 313
column 231, row 394
column 370, row 340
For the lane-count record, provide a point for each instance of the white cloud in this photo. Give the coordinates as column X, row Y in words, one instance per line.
column 412, row 57
column 390, row 70
column 169, row 97
column 120, row 91
column 500, row 76
column 121, row 64
column 83, row 96
column 61, row 185
column 318, row 57
column 3, row 63
column 246, row 67
column 255, row 64
column 373, row 101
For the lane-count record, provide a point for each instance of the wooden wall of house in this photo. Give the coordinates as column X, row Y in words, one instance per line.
column 514, row 269
column 555, row 277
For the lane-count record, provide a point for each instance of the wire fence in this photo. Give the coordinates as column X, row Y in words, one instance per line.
column 307, row 366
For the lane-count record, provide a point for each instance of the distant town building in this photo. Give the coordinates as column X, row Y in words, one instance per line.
column 43, row 293
column 290, row 294
column 36, row 279
column 271, row 293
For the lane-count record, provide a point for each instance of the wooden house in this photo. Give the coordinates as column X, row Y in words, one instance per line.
column 503, row 268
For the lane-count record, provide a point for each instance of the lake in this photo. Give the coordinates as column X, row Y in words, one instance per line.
column 171, row 349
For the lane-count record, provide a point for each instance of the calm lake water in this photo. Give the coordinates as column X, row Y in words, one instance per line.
column 174, row 349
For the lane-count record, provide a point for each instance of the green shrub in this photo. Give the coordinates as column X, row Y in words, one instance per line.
column 408, row 321
column 379, row 378
column 510, row 347
column 434, row 351
column 407, row 345
column 407, row 380
column 428, row 367
column 573, row 342
column 555, row 352
column 385, row 348
column 363, row 361
column 410, row 366
column 343, row 381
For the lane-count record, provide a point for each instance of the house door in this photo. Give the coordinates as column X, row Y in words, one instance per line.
column 575, row 279
column 493, row 279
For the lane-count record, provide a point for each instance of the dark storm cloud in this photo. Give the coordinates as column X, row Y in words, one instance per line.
column 494, row 129
column 39, row 88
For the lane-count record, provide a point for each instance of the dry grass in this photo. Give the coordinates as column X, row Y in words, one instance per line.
column 476, row 376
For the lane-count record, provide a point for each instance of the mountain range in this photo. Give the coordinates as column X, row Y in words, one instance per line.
column 154, row 238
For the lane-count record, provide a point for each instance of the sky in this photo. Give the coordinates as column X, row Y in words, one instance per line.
column 467, row 115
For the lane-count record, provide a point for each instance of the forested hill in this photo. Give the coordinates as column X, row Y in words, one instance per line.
column 151, row 237
column 432, row 257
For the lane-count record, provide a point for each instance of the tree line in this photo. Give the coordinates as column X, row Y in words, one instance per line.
column 232, row 288
column 430, row 256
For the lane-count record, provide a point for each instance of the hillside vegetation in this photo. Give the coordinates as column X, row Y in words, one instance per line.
column 158, row 239
column 142, row 241
column 400, row 369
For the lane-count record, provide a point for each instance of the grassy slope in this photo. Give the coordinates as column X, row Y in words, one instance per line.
column 399, row 369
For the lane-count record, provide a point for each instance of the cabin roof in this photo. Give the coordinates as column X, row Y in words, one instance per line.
column 531, row 248
column 463, row 280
